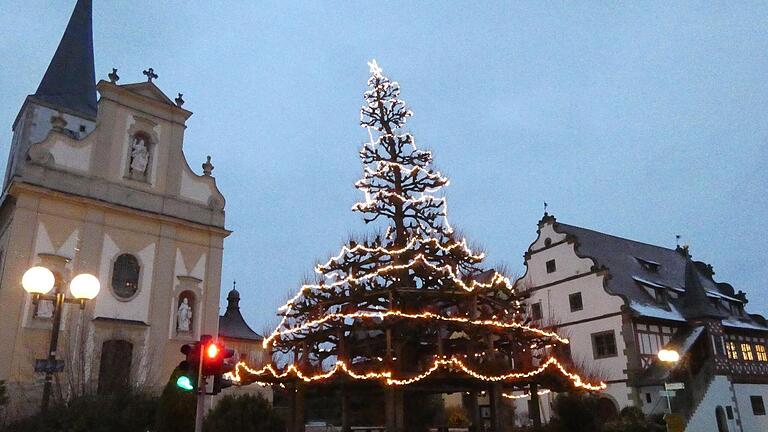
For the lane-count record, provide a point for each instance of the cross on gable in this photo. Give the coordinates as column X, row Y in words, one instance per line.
column 150, row 73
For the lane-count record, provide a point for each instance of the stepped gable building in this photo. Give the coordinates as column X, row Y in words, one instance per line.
column 620, row 301
column 103, row 187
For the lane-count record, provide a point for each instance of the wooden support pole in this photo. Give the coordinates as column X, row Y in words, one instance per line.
column 533, row 406
column 345, row 426
column 289, row 421
column 390, row 420
column 298, row 418
column 474, row 412
column 494, row 400
column 400, row 410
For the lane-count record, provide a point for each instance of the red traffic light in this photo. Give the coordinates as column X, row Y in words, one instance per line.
column 212, row 351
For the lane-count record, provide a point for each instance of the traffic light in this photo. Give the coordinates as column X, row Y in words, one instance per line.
column 216, row 361
column 227, row 365
column 188, row 369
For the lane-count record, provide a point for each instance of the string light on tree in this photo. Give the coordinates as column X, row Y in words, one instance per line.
column 412, row 301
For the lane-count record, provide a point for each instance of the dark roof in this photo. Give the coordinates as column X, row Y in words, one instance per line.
column 232, row 324
column 69, row 82
column 634, row 266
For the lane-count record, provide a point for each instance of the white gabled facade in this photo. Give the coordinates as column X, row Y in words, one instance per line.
column 619, row 302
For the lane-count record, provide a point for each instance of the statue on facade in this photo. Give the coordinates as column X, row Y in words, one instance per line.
column 139, row 155
column 184, row 316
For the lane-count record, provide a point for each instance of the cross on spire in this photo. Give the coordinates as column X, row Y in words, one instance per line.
column 150, row 73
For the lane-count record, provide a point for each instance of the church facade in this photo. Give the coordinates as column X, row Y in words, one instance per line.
column 102, row 186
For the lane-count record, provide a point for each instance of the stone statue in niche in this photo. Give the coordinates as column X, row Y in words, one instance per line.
column 139, row 156
column 184, row 316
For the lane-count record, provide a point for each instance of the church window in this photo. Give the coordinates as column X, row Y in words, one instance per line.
column 536, row 311
column 604, row 344
column 547, row 242
column 125, row 276
column 115, row 366
column 551, row 266
column 760, row 350
column 575, row 301
column 758, row 407
column 746, row 351
column 731, row 350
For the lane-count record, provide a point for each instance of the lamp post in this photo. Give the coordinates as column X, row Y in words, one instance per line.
column 39, row 281
column 674, row 422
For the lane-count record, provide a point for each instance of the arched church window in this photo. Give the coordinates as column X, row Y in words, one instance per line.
column 139, row 156
column 125, row 276
column 185, row 312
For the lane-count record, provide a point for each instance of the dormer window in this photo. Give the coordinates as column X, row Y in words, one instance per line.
column 651, row 266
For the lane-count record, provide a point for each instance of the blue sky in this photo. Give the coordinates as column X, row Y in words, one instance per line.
column 641, row 120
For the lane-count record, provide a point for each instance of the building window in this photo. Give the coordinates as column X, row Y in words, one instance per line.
column 604, row 344
column 551, row 266
column 648, row 397
column 718, row 346
column 547, row 242
column 746, row 352
column 729, row 412
column 536, row 311
column 125, row 276
column 758, row 408
column 575, row 302
column 731, row 348
column 761, row 355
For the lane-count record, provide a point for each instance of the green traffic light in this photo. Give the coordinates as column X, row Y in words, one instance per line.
column 184, row 383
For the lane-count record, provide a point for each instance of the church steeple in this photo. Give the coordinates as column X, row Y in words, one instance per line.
column 69, row 83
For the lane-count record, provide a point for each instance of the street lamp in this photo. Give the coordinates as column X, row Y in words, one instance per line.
column 39, row 281
column 669, row 357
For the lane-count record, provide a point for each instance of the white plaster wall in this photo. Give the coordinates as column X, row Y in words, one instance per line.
column 567, row 262
column 749, row 421
column 42, row 124
column 658, row 404
column 719, row 393
column 107, row 305
column 196, row 269
column 194, row 188
column 71, row 157
column 556, row 307
column 546, row 232
column 44, row 245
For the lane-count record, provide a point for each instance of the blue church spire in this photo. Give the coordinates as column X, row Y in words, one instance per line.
column 69, row 82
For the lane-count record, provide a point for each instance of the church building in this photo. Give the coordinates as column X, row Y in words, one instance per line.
column 102, row 186
column 621, row 301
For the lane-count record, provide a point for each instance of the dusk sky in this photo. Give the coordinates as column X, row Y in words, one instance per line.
column 640, row 120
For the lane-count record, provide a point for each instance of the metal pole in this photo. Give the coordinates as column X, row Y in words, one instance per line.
column 201, row 383
column 57, row 307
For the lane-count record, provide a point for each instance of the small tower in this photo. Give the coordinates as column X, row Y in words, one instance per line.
column 66, row 96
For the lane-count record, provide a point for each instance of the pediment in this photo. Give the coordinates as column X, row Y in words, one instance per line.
column 150, row 90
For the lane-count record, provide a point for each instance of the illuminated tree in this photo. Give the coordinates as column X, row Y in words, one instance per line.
column 412, row 302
